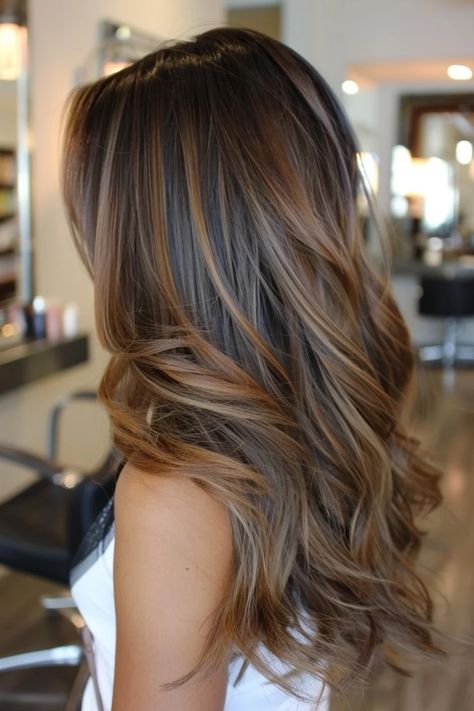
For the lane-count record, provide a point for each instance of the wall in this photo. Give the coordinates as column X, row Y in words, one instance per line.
column 335, row 33
column 265, row 19
column 62, row 39
column 8, row 114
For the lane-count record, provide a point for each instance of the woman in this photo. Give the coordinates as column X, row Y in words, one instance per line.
column 260, row 544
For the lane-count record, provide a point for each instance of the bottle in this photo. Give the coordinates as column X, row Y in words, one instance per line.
column 70, row 320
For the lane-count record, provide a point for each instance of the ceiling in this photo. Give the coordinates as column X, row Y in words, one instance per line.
column 367, row 74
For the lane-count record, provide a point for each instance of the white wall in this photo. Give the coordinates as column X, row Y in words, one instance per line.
column 62, row 38
column 335, row 33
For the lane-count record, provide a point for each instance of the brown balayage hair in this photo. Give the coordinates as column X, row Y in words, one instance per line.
column 212, row 188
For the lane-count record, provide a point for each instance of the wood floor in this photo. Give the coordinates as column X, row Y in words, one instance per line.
column 445, row 421
column 24, row 626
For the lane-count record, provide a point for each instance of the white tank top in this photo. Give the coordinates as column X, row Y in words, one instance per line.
column 92, row 589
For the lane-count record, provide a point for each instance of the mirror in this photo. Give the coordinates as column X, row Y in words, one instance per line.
column 16, row 279
column 433, row 174
column 8, row 190
column 118, row 44
column 419, row 129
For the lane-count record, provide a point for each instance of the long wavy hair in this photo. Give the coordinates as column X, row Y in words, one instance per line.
column 212, row 191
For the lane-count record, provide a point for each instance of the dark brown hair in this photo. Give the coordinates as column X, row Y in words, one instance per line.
column 212, row 191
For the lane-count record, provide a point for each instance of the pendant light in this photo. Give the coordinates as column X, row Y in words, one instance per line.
column 12, row 38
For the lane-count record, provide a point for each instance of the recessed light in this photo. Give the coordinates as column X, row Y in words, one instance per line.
column 350, row 87
column 464, row 152
column 123, row 32
column 459, row 72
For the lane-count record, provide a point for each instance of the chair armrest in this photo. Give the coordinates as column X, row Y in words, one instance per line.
column 55, row 414
column 66, row 607
column 43, row 468
column 57, row 602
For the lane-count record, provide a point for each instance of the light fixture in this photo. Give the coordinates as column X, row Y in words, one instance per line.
column 401, row 164
column 416, row 178
column 464, row 152
column 12, row 39
column 350, row 87
column 123, row 32
column 459, row 72
column 439, row 194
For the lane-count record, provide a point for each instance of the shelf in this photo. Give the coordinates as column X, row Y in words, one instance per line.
column 8, row 252
column 25, row 363
column 8, row 289
column 4, row 216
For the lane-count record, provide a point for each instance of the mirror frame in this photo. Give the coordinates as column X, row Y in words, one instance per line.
column 24, row 292
column 412, row 107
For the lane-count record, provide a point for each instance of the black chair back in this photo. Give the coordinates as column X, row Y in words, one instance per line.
column 446, row 297
column 43, row 525
column 89, row 497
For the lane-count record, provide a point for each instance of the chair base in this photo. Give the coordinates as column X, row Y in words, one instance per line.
column 447, row 354
column 451, row 352
column 68, row 655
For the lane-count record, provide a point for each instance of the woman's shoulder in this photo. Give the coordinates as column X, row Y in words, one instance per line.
column 155, row 493
column 172, row 565
column 150, row 505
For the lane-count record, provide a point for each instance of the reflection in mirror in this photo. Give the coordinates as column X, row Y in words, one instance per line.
column 118, row 45
column 433, row 176
column 121, row 45
column 8, row 197
column 15, row 220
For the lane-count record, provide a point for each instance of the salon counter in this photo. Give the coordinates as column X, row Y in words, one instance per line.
column 26, row 362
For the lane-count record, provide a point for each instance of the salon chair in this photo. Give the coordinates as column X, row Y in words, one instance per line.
column 449, row 295
column 42, row 526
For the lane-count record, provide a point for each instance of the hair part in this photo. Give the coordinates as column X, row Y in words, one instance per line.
column 211, row 188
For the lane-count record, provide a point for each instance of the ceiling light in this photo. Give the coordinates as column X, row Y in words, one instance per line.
column 350, row 87
column 12, row 39
column 11, row 50
column 459, row 72
column 464, row 152
column 416, row 177
column 123, row 32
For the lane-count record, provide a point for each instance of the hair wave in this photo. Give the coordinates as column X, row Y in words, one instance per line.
column 212, row 191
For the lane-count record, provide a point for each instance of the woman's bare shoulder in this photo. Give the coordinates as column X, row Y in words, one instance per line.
column 171, row 505
column 172, row 565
